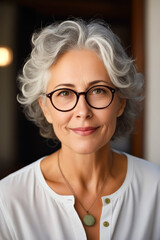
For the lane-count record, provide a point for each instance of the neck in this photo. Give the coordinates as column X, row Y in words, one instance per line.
column 86, row 170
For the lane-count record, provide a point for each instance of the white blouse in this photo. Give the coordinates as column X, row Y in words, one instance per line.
column 31, row 210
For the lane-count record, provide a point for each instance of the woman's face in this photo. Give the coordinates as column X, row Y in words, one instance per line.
column 84, row 129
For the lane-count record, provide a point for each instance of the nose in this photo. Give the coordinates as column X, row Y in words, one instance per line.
column 82, row 109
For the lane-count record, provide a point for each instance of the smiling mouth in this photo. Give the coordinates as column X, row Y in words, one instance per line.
column 84, row 131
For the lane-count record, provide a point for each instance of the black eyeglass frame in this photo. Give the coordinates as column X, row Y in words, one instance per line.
column 49, row 95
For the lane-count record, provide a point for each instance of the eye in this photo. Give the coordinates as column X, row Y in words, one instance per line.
column 64, row 93
column 99, row 91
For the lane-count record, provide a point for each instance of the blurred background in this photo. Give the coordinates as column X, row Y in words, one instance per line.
column 136, row 22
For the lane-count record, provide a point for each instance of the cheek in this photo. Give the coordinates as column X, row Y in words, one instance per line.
column 109, row 115
column 59, row 122
column 109, row 122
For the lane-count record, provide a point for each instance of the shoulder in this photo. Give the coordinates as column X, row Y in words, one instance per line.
column 18, row 182
column 144, row 165
column 145, row 172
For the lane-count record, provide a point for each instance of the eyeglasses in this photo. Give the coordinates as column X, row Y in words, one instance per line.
column 65, row 99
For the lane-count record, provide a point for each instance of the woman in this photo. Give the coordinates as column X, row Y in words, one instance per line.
column 80, row 86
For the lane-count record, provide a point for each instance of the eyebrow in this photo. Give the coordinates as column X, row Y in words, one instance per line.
column 90, row 84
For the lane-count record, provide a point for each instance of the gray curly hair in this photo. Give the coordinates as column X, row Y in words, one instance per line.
column 52, row 42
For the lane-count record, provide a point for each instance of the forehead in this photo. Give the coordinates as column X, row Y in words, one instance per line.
column 78, row 67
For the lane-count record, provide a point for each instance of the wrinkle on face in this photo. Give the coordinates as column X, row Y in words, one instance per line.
column 78, row 70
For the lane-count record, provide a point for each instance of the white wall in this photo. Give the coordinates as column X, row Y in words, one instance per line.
column 152, row 76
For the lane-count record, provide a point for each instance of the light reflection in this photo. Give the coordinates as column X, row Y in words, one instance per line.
column 6, row 56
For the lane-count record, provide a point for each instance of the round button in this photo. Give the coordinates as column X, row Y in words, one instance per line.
column 107, row 200
column 106, row 224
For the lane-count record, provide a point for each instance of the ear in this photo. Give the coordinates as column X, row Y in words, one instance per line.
column 45, row 109
column 122, row 105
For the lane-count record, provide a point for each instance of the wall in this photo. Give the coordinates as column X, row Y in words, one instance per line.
column 8, row 129
column 152, row 73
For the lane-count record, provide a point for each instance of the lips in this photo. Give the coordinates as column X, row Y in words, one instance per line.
column 84, row 131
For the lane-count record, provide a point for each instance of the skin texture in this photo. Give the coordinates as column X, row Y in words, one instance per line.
column 80, row 68
column 85, row 156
